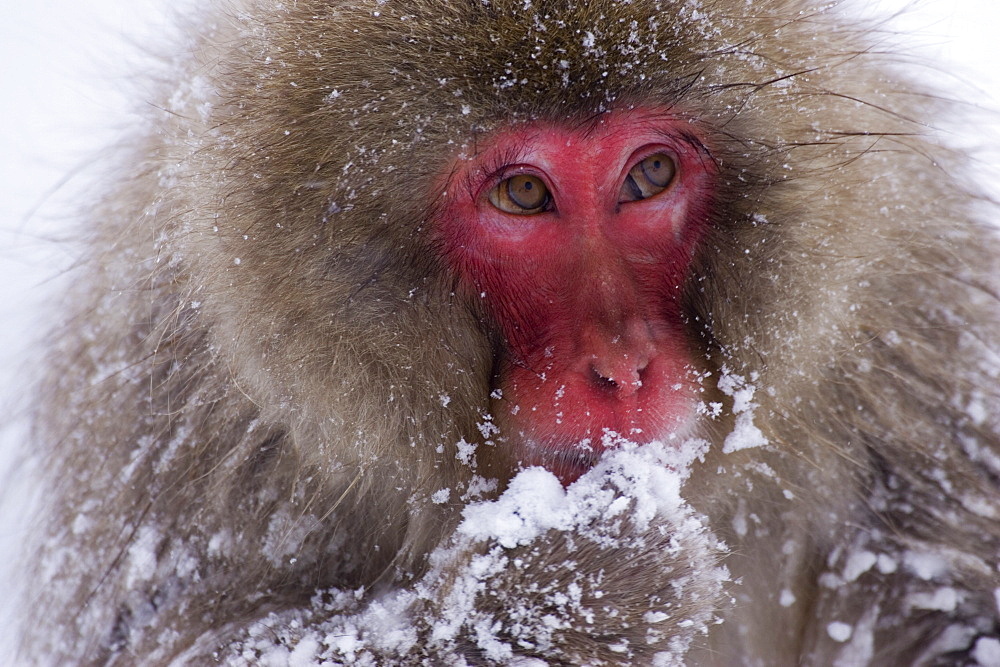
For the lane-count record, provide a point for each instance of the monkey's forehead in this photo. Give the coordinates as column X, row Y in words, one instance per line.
column 477, row 60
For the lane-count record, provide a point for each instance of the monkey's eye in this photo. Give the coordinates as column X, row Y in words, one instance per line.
column 649, row 177
column 521, row 195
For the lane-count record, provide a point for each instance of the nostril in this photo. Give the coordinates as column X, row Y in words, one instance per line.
column 602, row 381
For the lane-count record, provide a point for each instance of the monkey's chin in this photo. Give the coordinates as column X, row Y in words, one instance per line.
column 569, row 462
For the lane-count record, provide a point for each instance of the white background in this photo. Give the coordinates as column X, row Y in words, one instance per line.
column 63, row 87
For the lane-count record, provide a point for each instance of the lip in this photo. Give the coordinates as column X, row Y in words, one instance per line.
column 568, row 463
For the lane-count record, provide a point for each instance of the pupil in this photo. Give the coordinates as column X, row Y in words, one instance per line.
column 528, row 185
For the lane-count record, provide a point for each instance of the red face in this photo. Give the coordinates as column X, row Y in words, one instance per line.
column 578, row 238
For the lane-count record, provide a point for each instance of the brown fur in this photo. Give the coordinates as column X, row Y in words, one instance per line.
column 245, row 406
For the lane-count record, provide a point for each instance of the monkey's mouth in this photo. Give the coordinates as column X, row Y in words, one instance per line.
column 568, row 464
column 564, row 421
column 570, row 461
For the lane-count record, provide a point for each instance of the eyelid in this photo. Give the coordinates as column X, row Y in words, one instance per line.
column 496, row 165
column 650, row 150
column 513, row 169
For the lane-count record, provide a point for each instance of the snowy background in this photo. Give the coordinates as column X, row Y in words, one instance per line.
column 65, row 69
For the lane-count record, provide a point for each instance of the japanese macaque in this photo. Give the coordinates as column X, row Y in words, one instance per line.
column 538, row 332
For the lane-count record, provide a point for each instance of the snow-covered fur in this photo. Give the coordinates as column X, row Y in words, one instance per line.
column 266, row 416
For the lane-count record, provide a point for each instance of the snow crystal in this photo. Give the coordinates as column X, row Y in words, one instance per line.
column 987, row 651
column 740, row 518
column 479, row 486
column 839, row 632
column 142, row 556
column 861, row 647
column 466, row 453
column 621, row 647
column 305, row 652
column 655, row 616
column 980, row 505
column 891, row 338
column 943, row 599
column 858, row 562
column 787, row 598
column 745, row 434
column 887, row 564
column 977, row 410
column 927, row 566
column 81, row 524
column 220, row 542
column 830, row 580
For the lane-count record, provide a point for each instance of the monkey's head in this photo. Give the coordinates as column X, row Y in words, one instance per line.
column 548, row 213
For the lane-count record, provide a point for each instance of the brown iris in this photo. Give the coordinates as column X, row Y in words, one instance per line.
column 521, row 195
column 649, row 177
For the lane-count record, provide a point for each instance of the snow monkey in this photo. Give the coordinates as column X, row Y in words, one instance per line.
column 466, row 332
